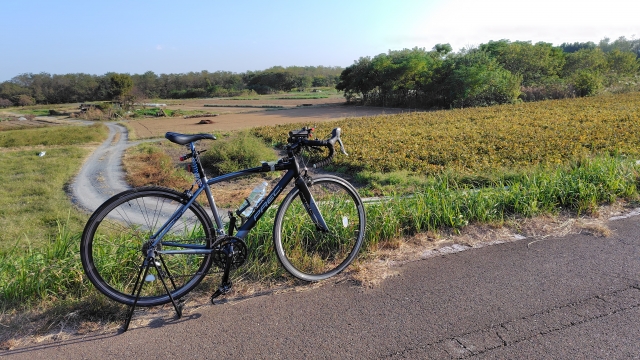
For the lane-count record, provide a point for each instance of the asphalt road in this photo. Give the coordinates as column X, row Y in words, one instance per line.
column 560, row 298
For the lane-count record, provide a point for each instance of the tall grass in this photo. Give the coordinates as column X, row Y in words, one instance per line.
column 50, row 271
column 451, row 202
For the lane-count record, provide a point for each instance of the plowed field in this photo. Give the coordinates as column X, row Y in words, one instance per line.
column 157, row 127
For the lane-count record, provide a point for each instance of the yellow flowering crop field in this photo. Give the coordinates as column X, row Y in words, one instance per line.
column 485, row 139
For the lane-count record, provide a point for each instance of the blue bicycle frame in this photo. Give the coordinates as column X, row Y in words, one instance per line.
column 290, row 164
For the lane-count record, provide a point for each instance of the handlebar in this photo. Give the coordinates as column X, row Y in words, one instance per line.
column 301, row 138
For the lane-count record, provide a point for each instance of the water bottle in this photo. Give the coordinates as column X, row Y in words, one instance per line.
column 254, row 199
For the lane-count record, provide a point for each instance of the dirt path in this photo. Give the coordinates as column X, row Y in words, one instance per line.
column 102, row 175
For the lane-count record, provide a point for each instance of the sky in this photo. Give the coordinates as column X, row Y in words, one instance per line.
column 130, row 36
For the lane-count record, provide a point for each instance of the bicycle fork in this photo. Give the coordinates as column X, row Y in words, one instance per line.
column 309, row 203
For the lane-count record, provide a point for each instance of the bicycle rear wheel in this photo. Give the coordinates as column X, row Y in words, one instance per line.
column 116, row 238
column 313, row 255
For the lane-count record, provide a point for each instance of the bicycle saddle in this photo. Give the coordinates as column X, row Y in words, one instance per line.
column 183, row 139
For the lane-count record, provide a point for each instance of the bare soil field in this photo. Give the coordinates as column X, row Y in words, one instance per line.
column 157, row 127
column 251, row 104
column 195, row 104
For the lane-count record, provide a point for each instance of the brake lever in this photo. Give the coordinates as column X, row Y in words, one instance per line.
column 342, row 147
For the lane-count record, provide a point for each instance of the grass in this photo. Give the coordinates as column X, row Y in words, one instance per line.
column 53, row 136
column 238, row 151
column 149, row 164
column 443, row 202
column 32, row 198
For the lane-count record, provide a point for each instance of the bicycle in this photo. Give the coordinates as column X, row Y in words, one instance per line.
column 154, row 233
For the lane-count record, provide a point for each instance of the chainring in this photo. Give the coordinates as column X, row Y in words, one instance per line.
column 229, row 247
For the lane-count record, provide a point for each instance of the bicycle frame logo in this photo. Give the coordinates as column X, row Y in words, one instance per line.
column 267, row 202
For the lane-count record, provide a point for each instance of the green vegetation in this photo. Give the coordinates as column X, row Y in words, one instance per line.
column 147, row 112
column 498, row 72
column 443, row 202
column 485, row 140
column 43, row 88
column 32, row 197
column 238, row 151
column 53, row 136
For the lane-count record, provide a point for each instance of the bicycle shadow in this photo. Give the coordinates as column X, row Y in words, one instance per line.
column 139, row 324
column 162, row 322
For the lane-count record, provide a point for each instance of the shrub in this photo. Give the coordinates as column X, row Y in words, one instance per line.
column 238, row 151
column 587, row 83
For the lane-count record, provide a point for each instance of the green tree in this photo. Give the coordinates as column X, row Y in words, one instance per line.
column 357, row 79
column 621, row 44
column 586, row 59
column 573, row 47
column 479, row 80
column 535, row 63
column 119, row 85
column 622, row 63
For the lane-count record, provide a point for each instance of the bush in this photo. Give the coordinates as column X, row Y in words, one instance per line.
column 236, row 152
column 587, row 83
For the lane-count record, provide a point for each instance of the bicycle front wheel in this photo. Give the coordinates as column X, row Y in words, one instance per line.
column 308, row 253
column 116, row 238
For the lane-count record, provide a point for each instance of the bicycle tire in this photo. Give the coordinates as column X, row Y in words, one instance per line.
column 303, row 250
column 111, row 248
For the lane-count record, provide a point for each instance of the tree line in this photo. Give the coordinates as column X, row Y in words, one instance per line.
column 493, row 73
column 43, row 88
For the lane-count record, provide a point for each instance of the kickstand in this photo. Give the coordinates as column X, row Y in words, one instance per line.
column 225, row 285
column 150, row 260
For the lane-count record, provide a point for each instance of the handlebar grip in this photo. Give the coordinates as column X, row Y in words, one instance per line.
column 326, row 161
column 299, row 138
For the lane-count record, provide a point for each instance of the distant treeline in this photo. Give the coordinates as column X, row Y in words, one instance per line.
column 44, row 88
column 493, row 73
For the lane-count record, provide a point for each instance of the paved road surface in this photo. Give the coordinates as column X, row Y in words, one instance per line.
column 559, row 298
